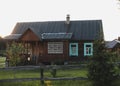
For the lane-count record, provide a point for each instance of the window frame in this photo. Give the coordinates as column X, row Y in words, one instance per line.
column 89, row 48
column 76, row 49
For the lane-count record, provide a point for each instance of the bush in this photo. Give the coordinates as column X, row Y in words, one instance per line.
column 13, row 52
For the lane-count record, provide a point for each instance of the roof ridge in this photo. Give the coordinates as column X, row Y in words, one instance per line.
column 60, row 21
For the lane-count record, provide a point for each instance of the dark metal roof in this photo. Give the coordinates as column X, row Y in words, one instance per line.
column 112, row 44
column 81, row 30
column 56, row 35
column 12, row 36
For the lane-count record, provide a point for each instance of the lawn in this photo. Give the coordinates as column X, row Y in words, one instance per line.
column 35, row 73
column 11, row 74
column 52, row 83
column 2, row 62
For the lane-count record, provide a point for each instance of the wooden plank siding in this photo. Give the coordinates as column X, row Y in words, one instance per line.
column 40, row 51
column 45, row 57
column 29, row 35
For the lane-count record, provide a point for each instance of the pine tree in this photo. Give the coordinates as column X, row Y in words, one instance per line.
column 101, row 70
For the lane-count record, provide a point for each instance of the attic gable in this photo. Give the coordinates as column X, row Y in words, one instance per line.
column 29, row 35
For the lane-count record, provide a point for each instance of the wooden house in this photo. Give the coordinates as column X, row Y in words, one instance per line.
column 57, row 40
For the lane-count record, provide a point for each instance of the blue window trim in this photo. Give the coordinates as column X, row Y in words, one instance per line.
column 70, row 49
column 91, row 49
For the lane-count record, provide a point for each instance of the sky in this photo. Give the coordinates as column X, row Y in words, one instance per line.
column 13, row 11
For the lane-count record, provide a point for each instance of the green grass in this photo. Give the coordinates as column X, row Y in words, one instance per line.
column 2, row 62
column 72, row 73
column 11, row 74
column 72, row 83
column 29, row 83
column 35, row 73
column 53, row 83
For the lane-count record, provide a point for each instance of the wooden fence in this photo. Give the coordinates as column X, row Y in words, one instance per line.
column 42, row 68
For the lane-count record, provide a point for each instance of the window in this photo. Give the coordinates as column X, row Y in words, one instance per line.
column 73, row 49
column 88, row 49
column 55, row 47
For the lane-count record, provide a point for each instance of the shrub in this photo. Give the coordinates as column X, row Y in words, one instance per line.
column 13, row 52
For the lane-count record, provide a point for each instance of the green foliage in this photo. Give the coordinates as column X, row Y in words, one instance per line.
column 2, row 59
column 102, row 70
column 13, row 52
column 2, row 62
column 2, row 47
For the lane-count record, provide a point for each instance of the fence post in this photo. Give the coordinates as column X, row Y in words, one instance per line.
column 14, row 71
column 42, row 75
column 54, row 71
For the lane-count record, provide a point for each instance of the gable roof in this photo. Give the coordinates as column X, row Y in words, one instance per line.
column 112, row 44
column 13, row 36
column 81, row 30
column 29, row 35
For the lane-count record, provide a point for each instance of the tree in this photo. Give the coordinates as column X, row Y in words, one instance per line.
column 101, row 70
column 2, row 46
column 13, row 52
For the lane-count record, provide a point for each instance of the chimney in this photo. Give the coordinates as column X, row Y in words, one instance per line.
column 68, row 19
